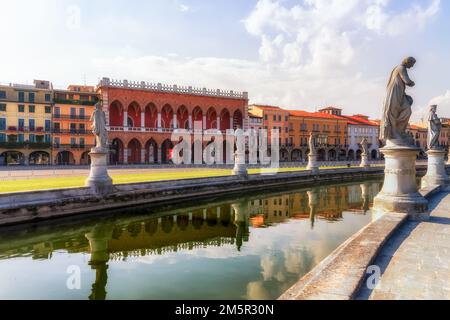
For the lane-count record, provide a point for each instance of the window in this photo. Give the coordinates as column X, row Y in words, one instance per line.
column 48, row 138
column 21, row 96
column 82, row 143
column 286, row 129
column 21, row 124
column 48, row 109
column 31, row 96
column 12, row 138
column 2, row 137
column 73, row 128
column 21, row 108
column 286, row 118
column 73, row 113
column 31, row 109
column 82, row 128
column 73, row 142
column 32, row 138
column 48, row 125
column 48, row 97
column 304, row 127
column 274, row 118
column 265, row 117
column 2, row 123
column 31, row 123
column 2, row 107
column 2, row 94
column 56, row 127
column 279, row 118
column 81, row 113
column 57, row 142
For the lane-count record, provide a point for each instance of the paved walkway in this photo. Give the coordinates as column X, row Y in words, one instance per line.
column 415, row 263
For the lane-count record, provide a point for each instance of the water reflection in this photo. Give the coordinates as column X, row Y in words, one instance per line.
column 267, row 228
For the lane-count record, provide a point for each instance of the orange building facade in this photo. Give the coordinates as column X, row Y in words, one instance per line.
column 72, row 136
column 330, row 131
column 141, row 117
column 274, row 118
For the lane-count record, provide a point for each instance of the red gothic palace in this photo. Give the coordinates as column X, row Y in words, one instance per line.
column 141, row 116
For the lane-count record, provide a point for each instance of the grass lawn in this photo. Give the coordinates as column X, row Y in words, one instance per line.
column 78, row 181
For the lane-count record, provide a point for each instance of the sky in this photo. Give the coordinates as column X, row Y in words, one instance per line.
column 297, row 54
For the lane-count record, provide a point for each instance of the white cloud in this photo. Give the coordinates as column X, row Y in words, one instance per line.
column 184, row 8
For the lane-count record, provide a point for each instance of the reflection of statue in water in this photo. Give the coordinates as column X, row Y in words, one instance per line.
column 98, row 242
column 434, row 129
column 98, row 120
column 313, row 201
column 397, row 105
column 241, row 220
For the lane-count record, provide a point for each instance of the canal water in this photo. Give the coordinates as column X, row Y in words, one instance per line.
column 253, row 247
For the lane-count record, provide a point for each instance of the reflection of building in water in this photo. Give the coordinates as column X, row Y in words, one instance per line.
column 212, row 226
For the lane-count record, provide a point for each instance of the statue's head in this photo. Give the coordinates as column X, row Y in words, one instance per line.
column 433, row 108
column 409, row 62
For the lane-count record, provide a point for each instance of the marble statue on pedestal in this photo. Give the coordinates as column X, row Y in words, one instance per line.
column 400, row 192
column 99, row 180
column 436, row 172
column 98, row 120
column 365, row 154
column 312, row 157
column 240, row 168
column 397, row 105
column 434, row 129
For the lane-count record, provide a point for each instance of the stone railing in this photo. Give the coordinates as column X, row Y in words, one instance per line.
column 158, row 87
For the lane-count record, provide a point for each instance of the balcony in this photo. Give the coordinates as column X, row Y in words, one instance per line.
column 72, row 146
column 25, row 145
column 12, row 128
column 75, row 102
column 70, row 117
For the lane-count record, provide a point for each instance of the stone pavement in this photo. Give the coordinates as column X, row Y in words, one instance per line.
column 415, row 262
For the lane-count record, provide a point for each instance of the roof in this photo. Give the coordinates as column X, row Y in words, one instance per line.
column 318, row 115
column 416, row 127
column 360, row 120
column 330, row 108
column 265, row 107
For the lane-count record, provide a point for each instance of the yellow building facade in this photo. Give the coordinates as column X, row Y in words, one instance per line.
column 25, row 123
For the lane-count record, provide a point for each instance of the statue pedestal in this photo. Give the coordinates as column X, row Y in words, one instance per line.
column 436, row 174
column 99, row 180
column 240, row 168
column 365, row 161
column 400, row 191
column 312, row 163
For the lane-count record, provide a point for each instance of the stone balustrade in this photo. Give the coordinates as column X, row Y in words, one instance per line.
column 159, row 87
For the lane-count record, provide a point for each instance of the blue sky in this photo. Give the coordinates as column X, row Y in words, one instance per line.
column 293, row 53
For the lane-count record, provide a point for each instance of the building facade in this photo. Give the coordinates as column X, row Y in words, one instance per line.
column 141, row 117
column 275, row 118
column 358, row 128
column 25, row 123
column 72, row 135
column 330, row 132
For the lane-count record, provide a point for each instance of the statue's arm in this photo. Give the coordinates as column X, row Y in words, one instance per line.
column 405, row 77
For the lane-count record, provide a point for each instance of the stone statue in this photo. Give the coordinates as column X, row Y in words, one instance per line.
column 434, row 129
column 397, row 105
column 98, row 120
column 365, row 146
column 312, row 144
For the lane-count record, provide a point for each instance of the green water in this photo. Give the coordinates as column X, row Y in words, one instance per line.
column 253, row 247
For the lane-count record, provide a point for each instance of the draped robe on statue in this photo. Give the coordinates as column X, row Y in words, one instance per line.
column 397, row 106
column 434, row 130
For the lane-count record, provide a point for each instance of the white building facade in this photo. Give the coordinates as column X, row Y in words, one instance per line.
column 360, row 127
